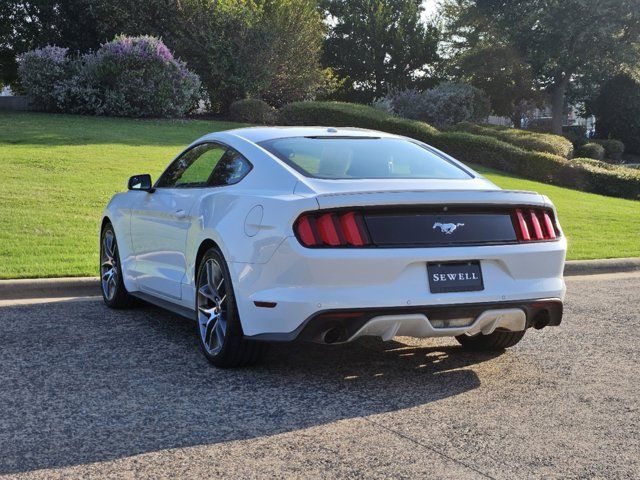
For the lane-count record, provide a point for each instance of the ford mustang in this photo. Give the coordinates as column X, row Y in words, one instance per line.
column 326, row 235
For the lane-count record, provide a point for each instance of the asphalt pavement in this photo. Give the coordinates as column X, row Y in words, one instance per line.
column 90, row 392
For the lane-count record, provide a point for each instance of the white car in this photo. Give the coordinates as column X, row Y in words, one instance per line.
column 327, row 235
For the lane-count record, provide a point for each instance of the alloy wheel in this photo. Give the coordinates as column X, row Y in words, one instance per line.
column 212, row 307
column 109, row 265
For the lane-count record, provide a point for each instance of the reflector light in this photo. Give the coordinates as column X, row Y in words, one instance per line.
column 265, row 304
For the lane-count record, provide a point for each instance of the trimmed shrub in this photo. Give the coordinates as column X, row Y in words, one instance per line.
column 342, row 114
column 493, row 153
column 332, row 114
column 576, row 134
column 128, row 77
column 581, row 174
column 609, row 180
column 445, row 105
column 538, row 142
column 590, row 150
column 594, row 163
column 613, row 149
column 41, row 72
column 252, row 110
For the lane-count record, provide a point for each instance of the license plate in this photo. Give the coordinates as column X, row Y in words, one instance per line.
column 455, row 277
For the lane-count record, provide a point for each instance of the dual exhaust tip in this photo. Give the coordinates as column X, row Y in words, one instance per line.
column 541, row 320
column 334, row 335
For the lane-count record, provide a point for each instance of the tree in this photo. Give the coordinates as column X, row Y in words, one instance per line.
column 23, row 26
column 475, row 53
column 378, row 44
column 292, row 34
column 617, row 110
column 562, row 40
column 267, row 49
column 507, row 81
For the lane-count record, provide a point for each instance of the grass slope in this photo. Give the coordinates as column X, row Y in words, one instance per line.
column 58, row 172
column 596, row 226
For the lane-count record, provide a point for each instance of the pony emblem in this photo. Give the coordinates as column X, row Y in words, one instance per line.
column 447, row 228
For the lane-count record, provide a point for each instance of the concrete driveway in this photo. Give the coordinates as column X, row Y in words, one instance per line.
column 85, row 391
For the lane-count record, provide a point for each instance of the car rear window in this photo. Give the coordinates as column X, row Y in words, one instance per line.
column 344, row 158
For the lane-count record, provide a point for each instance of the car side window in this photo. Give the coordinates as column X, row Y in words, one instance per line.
column 232, row 168
column 193, row 168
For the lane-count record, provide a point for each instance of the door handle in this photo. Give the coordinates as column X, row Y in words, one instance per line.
column 180, row 214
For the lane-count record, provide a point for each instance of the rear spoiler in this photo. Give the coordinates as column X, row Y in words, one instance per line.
column 431, row 197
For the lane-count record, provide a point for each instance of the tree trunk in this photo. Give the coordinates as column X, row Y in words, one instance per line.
column 558, row 92
column 517, row 121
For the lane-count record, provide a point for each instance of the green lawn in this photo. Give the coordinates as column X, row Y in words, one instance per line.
column 58, row 172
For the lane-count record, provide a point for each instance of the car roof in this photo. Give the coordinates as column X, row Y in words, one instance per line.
column 261, row 134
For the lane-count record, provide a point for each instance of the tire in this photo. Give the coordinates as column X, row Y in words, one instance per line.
column 114, row 293
column 494, row 342
column 217, row 321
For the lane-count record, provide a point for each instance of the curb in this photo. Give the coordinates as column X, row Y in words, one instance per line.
column 596, row 267
column 49, row 288
column 90, row 286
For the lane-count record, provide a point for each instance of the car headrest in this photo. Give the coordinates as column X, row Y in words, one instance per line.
column 334, row 161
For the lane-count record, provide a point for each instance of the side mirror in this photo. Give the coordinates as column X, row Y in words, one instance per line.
column 141, row 182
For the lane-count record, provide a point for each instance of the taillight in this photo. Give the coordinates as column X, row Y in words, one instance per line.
column 332, row 229
column 534, row 224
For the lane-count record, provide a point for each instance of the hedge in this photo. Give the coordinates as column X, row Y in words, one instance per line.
column 605, row 179
column 342, row 114
column 493, row 153
column 527, row 140
column 252, row 110
column 481, row 150
column 595, row 163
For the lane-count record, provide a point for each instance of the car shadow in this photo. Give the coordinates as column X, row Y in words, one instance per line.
column 81, row 383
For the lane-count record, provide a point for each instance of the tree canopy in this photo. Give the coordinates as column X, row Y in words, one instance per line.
column 262, row 48
column 564, row 40
column 378, row 44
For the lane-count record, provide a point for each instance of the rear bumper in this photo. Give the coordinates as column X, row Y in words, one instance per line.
column 304, row 283
column 338, row 326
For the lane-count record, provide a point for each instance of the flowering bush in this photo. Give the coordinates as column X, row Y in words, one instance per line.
column 447, row 104
column 128, row 77
column 42, row 71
